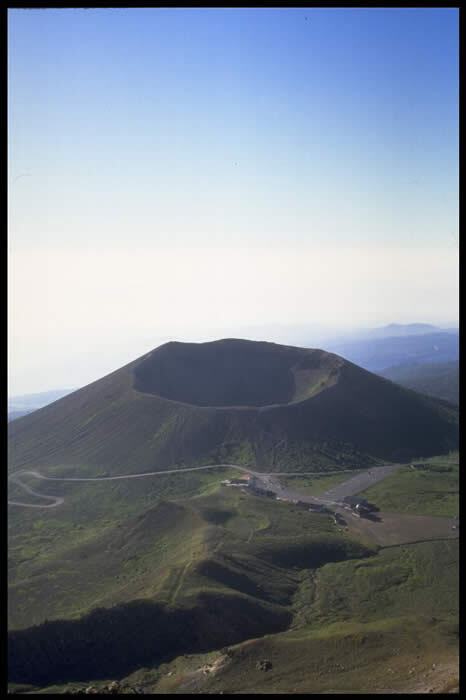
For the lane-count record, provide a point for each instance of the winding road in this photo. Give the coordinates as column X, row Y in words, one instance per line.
column 57, row 500
column 266, row 480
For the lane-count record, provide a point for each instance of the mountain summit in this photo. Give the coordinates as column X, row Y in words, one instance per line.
column 235, row 373
column 269, row 406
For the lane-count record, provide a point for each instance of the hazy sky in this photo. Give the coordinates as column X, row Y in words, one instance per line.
column 191, row 174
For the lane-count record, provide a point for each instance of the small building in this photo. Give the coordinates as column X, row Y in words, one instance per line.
column 359, row 506
column 257, row 491
column 241, row 481
column 354, row 501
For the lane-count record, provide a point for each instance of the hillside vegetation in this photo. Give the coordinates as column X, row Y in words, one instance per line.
column 181, row 576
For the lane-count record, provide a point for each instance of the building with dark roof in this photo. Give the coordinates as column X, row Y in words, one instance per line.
column 354, row 501
column 359, row 506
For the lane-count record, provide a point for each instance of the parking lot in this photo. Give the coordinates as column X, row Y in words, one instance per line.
column 359, row 483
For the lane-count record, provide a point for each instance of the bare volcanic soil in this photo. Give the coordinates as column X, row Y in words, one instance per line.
column 264, row 405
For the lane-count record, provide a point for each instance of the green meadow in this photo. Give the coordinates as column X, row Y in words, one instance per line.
column 218, row 575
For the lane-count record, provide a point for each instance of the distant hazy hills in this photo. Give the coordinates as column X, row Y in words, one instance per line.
column 393, row 330
column 13, row 415
column 418, row 356
column 440, row 380
column 26, row 403
column 272, row 406
column 377, row 354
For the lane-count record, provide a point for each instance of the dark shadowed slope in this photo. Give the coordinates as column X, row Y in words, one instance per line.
column 261, row 404
column 439, row 379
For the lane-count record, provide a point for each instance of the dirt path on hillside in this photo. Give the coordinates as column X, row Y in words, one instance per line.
column 439, row 678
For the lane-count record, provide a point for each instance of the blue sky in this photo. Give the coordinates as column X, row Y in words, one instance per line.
column 316, row 133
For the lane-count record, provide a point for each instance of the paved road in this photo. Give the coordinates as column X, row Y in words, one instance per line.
column 57, row 500
column 360, row 482
column 271, row 483
column 266, row 480
column 336, row 494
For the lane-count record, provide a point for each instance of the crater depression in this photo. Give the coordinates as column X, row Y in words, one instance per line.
column 235, row 373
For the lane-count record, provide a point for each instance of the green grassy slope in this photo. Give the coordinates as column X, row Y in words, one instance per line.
column 220, row 566
column 366, row 626
column 347, row 416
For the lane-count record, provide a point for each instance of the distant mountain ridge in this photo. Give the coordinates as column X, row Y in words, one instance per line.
column 378, row 354
column 395, row 330
column 13, row 415
column 19, row 406
column 271, row 406
column 31, row 402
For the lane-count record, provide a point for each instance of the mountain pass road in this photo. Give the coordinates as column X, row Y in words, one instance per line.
column 268, row 481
